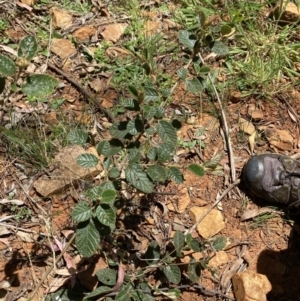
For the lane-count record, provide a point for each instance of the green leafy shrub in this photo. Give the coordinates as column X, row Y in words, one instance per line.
column 37, row 86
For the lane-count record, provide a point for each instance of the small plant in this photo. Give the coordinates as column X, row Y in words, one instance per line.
column 37, row 86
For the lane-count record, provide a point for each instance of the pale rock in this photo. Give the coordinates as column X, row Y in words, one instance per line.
column 249, row 286
column 280, row 139
column 28, row 2
column 180, row 203
column 66, row 171
column 287, row 11
column 220, row 258
column 212, row 224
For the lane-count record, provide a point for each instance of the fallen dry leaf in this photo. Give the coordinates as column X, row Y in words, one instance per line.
column 255, row 212
column 246, row 126
column 152, row 27
column 60, row 18
column 63, row 48
column 27, row 237
column 113, row 32
column 84, row 33
column 230, row 271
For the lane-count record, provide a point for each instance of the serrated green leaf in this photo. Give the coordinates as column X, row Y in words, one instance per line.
column 188, row 238
column 182, row 73
column 204, row 70
column 145, row 297
column 172, row 272
column 27, row 48
column 126, row 293
column 95, row 193
column 87, row 160
column 219, row 48
column 150, row 94
column 107, row 185
column 152, row 153
column 78, row 136
column 108, row 196
column 165, row 152
column 135, row 126
column 195, row 245
column 214, row 161
column 194, row 271
column 113, row 173
column 98, row 291
column 107, row 276
column 149, row 111
column 106, row 215
column 219, row 243
column 157, row 173
column 108, row 163
column 131, row 104
column 175, row 174
column 133, row 90
column 103, row 148
column 196, row 169
column 166, row 132
column 134, row 156
column 225, row 30
column 159, row 112
column 152, row 254
column 82, row 212
column 186, row 39
column 194, row 86
column 87, row 238
column 7, row 66
column 119, row 130
column 179, row 241
column 136, row 176
column 39, row 85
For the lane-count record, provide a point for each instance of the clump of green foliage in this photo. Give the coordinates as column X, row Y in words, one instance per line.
column 37, row 86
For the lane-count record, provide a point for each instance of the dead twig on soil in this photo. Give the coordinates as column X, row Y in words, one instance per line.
column 91, row 97
column 223, row 119
column 213, row 205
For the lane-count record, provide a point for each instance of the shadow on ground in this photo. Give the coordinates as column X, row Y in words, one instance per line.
column 283, row 268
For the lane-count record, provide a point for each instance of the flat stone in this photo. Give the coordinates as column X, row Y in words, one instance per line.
column 66, row 171
column 220, row 258
column 212, row 224
column 280, row 139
